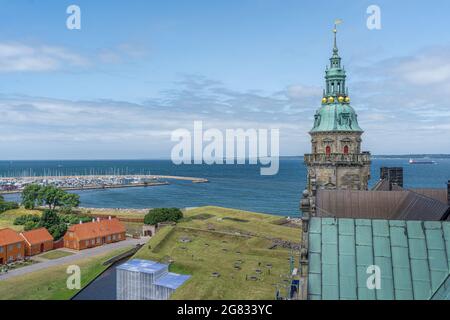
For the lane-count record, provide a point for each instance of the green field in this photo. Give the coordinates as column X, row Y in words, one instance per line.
column 233, row 243
column 119, row 213
column 55, row 254
column 50, row 284
column 7, row 218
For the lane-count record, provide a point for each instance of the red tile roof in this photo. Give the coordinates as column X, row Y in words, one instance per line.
column 37, row 236
column 96, row 229
column 9, row 236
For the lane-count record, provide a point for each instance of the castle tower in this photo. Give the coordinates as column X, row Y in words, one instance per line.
column 336, row 160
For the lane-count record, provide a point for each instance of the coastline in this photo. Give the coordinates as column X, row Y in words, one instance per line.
column 101, row 186
column 153, row 184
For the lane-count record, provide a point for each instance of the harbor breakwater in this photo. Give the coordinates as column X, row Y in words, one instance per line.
column 11, row 185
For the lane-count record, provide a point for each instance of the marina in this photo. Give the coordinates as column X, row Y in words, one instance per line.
column 10, row 185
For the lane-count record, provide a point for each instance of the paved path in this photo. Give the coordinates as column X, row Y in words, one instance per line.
column 76, row 256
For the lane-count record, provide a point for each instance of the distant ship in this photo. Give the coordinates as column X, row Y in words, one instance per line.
column 424, row 161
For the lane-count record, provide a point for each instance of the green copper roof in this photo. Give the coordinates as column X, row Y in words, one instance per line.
column 443, row 293
column 413, row 257
column 336, row 117
column 336, row 114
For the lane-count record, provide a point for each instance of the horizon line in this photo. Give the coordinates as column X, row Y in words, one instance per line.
column 168, row 159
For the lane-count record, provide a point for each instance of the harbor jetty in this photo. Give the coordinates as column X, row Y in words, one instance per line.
column 87, row 182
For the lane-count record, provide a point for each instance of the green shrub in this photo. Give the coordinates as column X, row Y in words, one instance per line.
column 30, row 225
column 58, row 230
column 22, row 220
column 5, row 206
column 49, row 219
column 74, row 219
column 158, row 215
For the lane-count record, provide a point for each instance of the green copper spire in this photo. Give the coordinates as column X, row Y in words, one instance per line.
column 336, row 114
column 335, row 74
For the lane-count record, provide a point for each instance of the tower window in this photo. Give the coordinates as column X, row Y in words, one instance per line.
column 328, row 150
column 345, row 149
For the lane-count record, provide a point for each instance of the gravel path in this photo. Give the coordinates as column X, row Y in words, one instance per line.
column 76, row 256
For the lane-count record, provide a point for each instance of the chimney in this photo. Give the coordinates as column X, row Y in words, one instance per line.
column 393, row 175
column 448, row 192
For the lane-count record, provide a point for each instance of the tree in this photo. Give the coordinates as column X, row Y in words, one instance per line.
column 174, row 214
column 158, row 215
column 69, row 201
column 6, row 205
column 30, row 196
column 34, row 195
column 49, row 218
column 53, row 223
column 50, row 196
column 55, row 197
column 58, row 230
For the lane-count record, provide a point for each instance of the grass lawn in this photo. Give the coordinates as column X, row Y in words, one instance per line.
column 119, row 213
column 7, row 218
column 234, row 244
column 55, row 254
column 50, row 284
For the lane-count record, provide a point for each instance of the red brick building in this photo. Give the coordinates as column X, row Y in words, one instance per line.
column 93, row 234
column 12, row 246
column 37, row 241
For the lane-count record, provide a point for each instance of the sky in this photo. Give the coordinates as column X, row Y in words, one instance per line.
column 138, row 70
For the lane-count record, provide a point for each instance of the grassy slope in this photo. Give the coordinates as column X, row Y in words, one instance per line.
column 7, row 218
column 50, row 284
column 126, row 213
column 205, row 254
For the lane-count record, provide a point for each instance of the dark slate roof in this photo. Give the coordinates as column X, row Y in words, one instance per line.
column 382, row 185
column 413, row 257
column 419, row 207
column 438, row 194
column 396, row 205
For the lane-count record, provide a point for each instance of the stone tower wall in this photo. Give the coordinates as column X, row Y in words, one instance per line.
column 336, row 141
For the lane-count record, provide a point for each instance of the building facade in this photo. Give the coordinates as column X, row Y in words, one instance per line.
column 12, row 246
column 93, row 234
column 37, row 241
column 336, row 160
column 146, row 280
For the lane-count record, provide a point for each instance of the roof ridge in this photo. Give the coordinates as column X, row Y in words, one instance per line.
column 442, row 285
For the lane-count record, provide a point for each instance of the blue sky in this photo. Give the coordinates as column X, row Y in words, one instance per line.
column 137, row 70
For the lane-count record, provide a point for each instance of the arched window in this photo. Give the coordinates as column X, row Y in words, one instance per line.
column 328, row 150
column 346, row 150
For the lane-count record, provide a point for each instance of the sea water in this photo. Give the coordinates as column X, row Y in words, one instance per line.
column 232, row 186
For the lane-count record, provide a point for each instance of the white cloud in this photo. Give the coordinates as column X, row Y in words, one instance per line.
column 19, row 57
column 23, row 58
column 428, row 68
column 302, row 91
column 117, row 127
